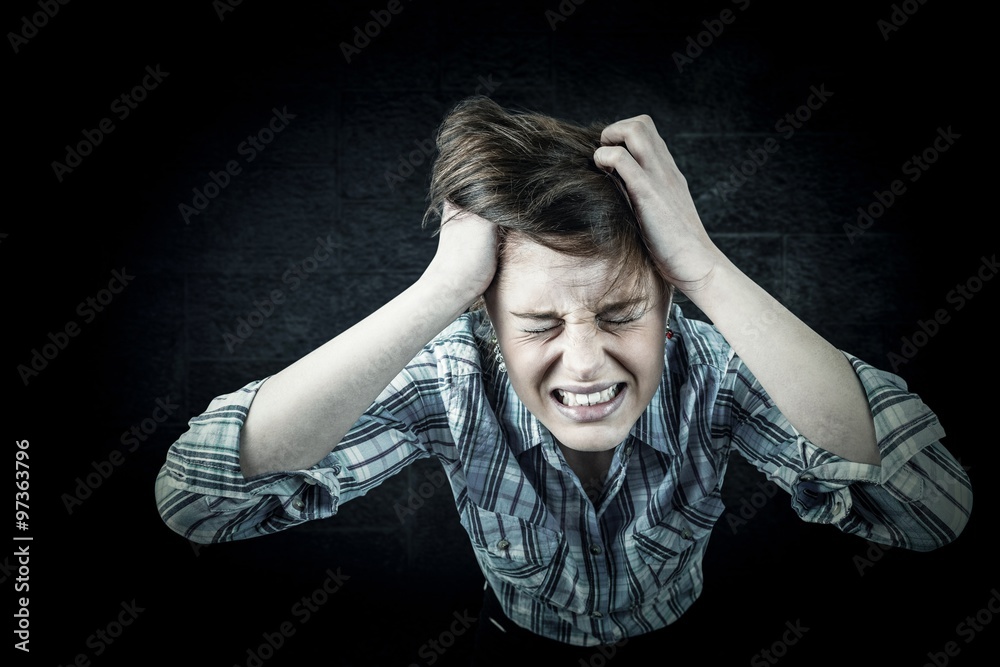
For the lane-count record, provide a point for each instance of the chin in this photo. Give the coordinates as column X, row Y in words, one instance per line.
column 584, row 439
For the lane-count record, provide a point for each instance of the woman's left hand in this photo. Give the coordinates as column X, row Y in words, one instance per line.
column 660, row 197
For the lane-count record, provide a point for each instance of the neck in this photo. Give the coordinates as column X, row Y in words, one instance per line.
column 590, row 468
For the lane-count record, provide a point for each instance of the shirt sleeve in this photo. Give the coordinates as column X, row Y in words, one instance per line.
column 201, row 492
column 919, row 498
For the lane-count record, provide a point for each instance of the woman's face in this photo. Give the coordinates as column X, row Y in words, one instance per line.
column 585, row 360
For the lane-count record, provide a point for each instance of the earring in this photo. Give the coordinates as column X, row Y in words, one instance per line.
column 670, row 333
column 498, row 355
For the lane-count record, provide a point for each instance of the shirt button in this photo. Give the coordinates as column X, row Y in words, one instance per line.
column 628, row 449
column 687, row 534
column 597, row 614
column 503, row 545
column 335, row 470
column 310, row 481
column 807, row 477
column 298, row 503
column 596, row 550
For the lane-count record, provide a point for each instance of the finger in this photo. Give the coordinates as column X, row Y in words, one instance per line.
column 640, row 137
column 637, row 133
column 617, row 132
column 618, row 158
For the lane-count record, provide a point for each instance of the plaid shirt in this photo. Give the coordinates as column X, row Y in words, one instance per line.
column 565, row 567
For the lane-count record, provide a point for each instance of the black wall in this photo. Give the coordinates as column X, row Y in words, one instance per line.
column 341, row 170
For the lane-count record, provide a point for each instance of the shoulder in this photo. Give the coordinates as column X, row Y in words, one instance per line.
column 457, row 350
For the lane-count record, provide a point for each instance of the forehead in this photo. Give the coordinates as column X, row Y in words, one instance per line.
column 535, row 276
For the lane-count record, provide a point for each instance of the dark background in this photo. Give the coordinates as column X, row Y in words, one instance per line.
column 325, row 174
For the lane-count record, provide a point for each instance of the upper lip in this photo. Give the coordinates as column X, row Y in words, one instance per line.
column 592, row 389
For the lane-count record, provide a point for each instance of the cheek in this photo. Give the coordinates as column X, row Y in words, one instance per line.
column 526, row 365
column 645, row 356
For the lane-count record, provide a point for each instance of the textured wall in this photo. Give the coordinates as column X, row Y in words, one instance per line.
column 350, row 170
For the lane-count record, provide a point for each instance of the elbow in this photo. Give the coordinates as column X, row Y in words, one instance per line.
column 950, row 506
column 953, row 504
column 179, row 510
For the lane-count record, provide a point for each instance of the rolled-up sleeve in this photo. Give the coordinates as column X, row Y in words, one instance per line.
column 202, row 494
column 919, row 498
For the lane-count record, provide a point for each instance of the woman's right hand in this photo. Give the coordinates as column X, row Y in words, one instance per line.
column 466, row 257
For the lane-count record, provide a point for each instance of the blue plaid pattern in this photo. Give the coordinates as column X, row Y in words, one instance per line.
column 565, row 567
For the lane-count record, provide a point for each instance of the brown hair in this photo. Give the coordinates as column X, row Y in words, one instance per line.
column 534, row 176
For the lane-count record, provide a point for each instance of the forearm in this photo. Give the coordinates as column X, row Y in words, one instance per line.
column 302, row 412
column 810, row 381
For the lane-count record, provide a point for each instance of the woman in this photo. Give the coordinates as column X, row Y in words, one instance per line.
column 583, row 423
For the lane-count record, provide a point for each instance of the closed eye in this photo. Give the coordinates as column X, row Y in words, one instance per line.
column 614, row 324
column 540, row 330
column 620, row 319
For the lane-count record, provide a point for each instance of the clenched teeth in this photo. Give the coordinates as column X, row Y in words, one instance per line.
column 573, row 400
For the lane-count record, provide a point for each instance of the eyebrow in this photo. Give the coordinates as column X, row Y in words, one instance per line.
column 614, row 306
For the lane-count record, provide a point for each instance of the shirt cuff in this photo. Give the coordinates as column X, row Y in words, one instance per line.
column 206, row 459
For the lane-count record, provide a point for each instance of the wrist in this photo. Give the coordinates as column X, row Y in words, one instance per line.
column 699, row 271
column 722, row 287
column 448, row 290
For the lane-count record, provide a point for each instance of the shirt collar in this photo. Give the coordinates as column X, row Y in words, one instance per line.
column 522, row 429
column 651, row 427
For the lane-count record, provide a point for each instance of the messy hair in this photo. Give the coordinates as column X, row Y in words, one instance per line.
column 534, row 176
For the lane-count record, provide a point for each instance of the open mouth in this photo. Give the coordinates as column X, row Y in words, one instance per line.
column 572, row 400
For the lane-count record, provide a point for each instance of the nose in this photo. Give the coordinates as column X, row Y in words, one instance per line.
column 583, row 353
